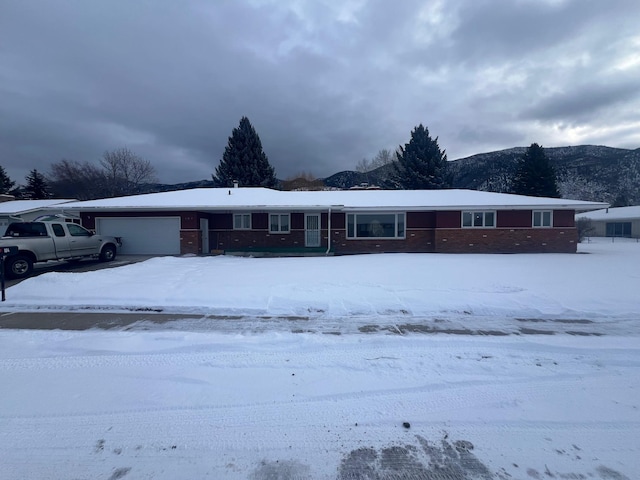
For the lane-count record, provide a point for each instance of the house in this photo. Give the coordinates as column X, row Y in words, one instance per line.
column 28, row 210
column 265, row 221
column 614, row 222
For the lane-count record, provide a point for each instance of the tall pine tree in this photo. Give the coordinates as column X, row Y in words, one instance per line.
column 535, row 175
column 6, row 184
column 244, row 160
column 36, row 187
column 421, row 165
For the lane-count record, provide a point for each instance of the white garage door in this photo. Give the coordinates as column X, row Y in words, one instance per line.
column 143, row 236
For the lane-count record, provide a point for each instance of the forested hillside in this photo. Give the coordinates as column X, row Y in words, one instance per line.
column 584, row 172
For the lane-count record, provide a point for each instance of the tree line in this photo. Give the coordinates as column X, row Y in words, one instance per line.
column 118, row 172
column 420, row 164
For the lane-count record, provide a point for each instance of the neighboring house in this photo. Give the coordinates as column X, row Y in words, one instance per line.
column 614, row 222
column 28, row 210
column 260, row 220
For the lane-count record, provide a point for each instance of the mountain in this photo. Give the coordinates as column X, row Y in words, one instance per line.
column 584, row 172
column 163, row 187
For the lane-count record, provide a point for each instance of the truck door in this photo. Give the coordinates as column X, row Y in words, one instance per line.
column 60, row 240
column 82, row 241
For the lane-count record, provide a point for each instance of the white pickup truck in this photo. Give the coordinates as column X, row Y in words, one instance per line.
column 46, row 240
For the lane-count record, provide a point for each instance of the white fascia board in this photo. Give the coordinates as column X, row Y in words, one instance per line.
column 203, row 208
column 581, row 207
column 386, row 208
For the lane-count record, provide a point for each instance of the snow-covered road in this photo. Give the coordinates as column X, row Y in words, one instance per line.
column 167, row 405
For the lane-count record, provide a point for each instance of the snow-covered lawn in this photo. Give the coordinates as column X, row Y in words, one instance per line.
column 204, row 399
column 604, row 283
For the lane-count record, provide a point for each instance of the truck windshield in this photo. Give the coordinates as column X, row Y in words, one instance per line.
column 30, row 229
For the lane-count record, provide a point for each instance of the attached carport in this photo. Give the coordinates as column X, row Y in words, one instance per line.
column 143, row 235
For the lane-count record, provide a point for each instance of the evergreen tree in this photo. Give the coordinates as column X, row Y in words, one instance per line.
column 6, row 184
column 535, row 175
column 421, row 165
column 36, row 187
column 244, row 160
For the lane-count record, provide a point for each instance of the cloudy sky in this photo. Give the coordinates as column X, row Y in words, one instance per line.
column 324, row 82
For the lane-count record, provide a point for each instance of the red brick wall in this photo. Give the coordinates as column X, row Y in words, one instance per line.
column 256, row 239
column 416, row 241
column 506, row 240
column 190, row 241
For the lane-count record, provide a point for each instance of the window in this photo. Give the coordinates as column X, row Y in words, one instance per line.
column 542, row 218
column 478, row 219
column 242, row 221
column 618, row 229
column 279, row 223
column 375, row 225
column 31, row 229
column 58, row 231
column 78, row 231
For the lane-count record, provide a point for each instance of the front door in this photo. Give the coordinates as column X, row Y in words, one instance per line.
column 312, row 230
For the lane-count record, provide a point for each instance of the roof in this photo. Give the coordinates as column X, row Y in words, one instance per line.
column 618, row 213
column 253, row 198
column 16, row 207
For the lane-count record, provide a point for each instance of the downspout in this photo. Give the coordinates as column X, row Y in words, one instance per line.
column 328, row 232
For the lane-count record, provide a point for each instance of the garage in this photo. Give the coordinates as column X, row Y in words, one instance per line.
column 143, row 235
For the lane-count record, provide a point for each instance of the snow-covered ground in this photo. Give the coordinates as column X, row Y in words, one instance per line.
column 535, row 374
column 604, row 283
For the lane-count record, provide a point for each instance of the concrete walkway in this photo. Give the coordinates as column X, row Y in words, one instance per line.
column 83, row 320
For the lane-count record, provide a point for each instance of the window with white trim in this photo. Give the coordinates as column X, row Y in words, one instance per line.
column 479, row 219
column 375, row 225
column 279, row 223
column 242, row 221
column 542, row 218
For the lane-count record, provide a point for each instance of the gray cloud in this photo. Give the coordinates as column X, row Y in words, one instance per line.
column 324, row 83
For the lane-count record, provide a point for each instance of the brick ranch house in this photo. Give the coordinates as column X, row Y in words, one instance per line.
column 265, row 221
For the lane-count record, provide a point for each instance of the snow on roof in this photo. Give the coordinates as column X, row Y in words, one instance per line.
column 15, row 207
column 264, row 198
column 618, row 213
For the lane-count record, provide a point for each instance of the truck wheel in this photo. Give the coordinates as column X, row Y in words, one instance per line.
column 108, row 253
column 19, row 266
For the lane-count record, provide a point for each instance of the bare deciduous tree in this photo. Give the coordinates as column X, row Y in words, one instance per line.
column 585, row 228
column 125, row 172
column 119, row 172
column 383, row 157
column 72, row 179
